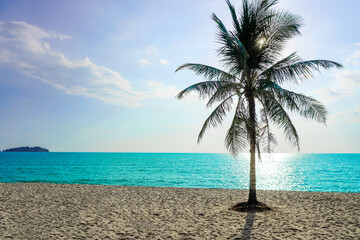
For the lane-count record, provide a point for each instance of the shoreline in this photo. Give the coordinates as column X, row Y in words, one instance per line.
column 143, row 186
column 76, row 211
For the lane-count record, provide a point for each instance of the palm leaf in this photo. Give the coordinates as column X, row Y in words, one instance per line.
column 223, row 92
column 279, row 116
column 236, row 138
column 234, row 16
column 204, row 89
column 216, row 117
column 298, row 71
column 267, row 139
column 283, row 26
column 208, row 72
column 306, row 106
column 232, row 50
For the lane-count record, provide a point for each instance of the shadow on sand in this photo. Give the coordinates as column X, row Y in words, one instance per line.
column 250, row 217
column 249, row 224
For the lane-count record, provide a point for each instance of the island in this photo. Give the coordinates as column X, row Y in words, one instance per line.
column 27, row 149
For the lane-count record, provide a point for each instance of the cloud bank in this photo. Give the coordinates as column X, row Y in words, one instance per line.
column 355, row 57
column 164, row 62
column 26, row 48
column 347, row 81
column 350, row 116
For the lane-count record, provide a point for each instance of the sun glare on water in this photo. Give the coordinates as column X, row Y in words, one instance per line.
column 273, row 171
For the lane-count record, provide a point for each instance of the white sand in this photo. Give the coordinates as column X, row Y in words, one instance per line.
column 55, row 211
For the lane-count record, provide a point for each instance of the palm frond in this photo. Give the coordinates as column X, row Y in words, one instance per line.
column 266, row 5
column 225, row 91
column 284, row 62
column 306, row 106
column 204, row 89
column 237, row 137
column 208, row 72
column 298, row 71
column 267, row 139
column 216, row 117
column 283, row 26
column 232, row 51
column 279, row 116
column 234, row 16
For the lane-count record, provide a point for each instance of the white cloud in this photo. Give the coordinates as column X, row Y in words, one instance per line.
column 347, row 116
column 346, row 83
column 164, row 62
column 348, row 79
column 159, row 90
column 29, row 36
column 331, row 95
column 151, row 50
column 26, row 48
column 355, row 57
column 143, row 62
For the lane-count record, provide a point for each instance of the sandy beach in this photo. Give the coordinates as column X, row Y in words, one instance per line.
column 57, row 211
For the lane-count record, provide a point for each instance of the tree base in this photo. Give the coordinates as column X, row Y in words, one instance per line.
column 246, row 207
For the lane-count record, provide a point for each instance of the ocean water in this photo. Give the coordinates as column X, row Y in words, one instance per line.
column 294, row 172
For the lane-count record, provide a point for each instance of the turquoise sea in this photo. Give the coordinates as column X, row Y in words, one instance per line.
column 295, row 172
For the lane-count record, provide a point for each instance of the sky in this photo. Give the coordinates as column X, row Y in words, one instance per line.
column 99, row 76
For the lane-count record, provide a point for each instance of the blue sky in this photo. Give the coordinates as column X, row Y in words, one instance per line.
column 99, row 75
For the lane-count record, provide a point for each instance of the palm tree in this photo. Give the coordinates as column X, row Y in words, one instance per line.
column 254, row 70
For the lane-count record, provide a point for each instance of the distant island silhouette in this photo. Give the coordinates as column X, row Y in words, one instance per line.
column 27, row 149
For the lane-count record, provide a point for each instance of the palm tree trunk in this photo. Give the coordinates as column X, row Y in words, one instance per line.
column 252, row 134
